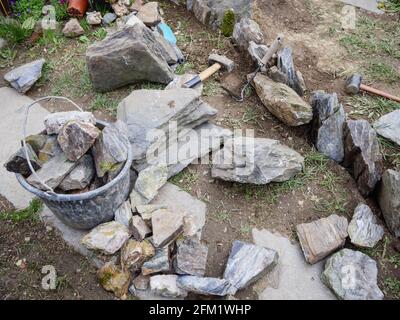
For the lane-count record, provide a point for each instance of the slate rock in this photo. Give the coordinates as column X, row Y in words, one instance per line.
column 36, row 141
column 247, row 263
column 256, row 160
column 167, row 50
column 150, row 180
column 76, row 138
column 146, row 211
column 364, row 231
column 24, row 77
column 167, row 226
column 149, row 13
column 388, row 126
column 108, row 237
column 320, row 238
column 352, row 275
column 389, row 200
column 123, row 214
column 286, row 65
column 206, row 285
column 73, row 29
column 247, row 30
column 157, row 264
column 113, row 279
column 55, row 121
column 93, row 18
column 135, row 253
column 135, row 43
column 17, row 162
column 136, row 200
column 282, row 101
column 141, row 282
column 81, row 176
column 139, row 228
column 362, row 154
column 327, row 125
column 257, row 52
column 50, row 149
column 166, row 286
column 109, row 18
column 191, row 257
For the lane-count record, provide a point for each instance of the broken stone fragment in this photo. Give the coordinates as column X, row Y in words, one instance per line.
column 108, row 237
column 114, row 279
column 81, row 176
column 17, row 162
column 167, row 50
column 389, row 200
column 50, row 149
column 352, row 275
column 247, row 263
column 109, row 18
column 257, row 52
column 282, row 101
column 93, row 18
column 36, row 141
column 362, row 154
column 247, row 30
column 141, row 282
column 123, row 214
column 191, row 257
column 159, row 263
column 76, row 138
column 73, row 29
column 149, row 13
column 52, row 172
column 388, row 126
column 167, row 226
column 327, row 125
column 111, row 149
column 55, row 121
column 364, row 231
column 320, row 238
column 136, row 200
column 119, row 8
column 286, row 66
column 256, row 160
column 139, row 228
column 166, row 286
column 135, row 253
column 24, row 77
column 146, row 211
column 206, row 286
column 150, row 180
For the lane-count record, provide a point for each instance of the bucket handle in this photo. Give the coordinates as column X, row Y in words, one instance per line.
column 49, row 189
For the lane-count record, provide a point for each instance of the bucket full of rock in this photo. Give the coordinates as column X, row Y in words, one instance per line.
column 78, row 166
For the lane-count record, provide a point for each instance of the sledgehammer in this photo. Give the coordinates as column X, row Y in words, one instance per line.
column 216, row 63
column 354, row 85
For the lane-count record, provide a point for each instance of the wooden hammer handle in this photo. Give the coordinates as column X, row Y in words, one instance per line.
column 209, row 71
column 379, row 92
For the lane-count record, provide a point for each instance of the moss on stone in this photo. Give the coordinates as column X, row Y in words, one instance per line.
column 228, row 23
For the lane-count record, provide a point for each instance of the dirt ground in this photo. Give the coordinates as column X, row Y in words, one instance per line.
column 312, row 29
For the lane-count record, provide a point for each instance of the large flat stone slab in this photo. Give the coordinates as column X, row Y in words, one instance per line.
column 292, row 278
column 12, row 115
column 369, row 5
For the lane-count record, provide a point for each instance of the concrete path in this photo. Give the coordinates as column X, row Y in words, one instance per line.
column 369, row 5
column 293, row 278
column 11, row 115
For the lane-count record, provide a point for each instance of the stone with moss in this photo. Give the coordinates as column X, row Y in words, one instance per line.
column 228, row 22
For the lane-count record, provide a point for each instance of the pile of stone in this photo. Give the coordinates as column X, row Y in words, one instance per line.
column 74, row 154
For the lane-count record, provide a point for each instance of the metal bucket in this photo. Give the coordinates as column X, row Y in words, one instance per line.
column 89, row 209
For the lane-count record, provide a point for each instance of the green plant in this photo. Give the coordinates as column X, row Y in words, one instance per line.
column 184, row 67
column 100, row 34
column 84, row 39
column 371, row 107
column 103, row 102
column 392, row 5
column 228, row 22
column 23, row 9
column 7, row 57
column 60, row 7
column 381, row 71
column 12, row 30
column 29, row 213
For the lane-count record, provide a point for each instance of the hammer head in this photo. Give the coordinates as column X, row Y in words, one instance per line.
column 353, row 84
column 226, row 63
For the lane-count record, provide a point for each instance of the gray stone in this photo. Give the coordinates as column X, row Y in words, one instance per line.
column 81, row 176
column 109, row 18
column 159, row 263
column 141, row 282
column 256, row 160
column 135, row 253
column 139, row 228
column 150, row 180
column 167, row 226
column 362, row 154
column 93, row 18
column 320, row 238
column 180, row 80
column 17, row 162
column 166, row 286
column 24, row 77
column 123, row 214
column 275, row 74
column 364, row 231
column 167, row 50
column 50, row 149
column 352, row 275
column 286, row 66
column 389, row 200
column 149, row 13
column 76, row 138
column 119, row 8
column 36, row 141
column 257, row 51
column 146, row 211
column 282, row 101
column 247, row 263
column 109, row 71
column 247, row 30
column 136, row 200
column 369, row 5
column 108, row 237
column 55, row 121
column 73, row 29
column 111, row 148
column 327, row 125
column 191, row 257
column 206, row 286
column 388, row 126
column 52, row 172
column 292, row 278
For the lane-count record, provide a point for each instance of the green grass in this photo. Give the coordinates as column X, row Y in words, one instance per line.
column 381, row 71
column 393, row 6
column 100, row 34
column 390, row 151
column 371, row 107
column 29, row 213
column 186, row 179
column 7, row 57
column 104, row 102
column 184, row 67
column 12, row 30
column 211, row 88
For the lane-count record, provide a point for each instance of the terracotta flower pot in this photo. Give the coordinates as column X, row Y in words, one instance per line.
column 77, row 8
